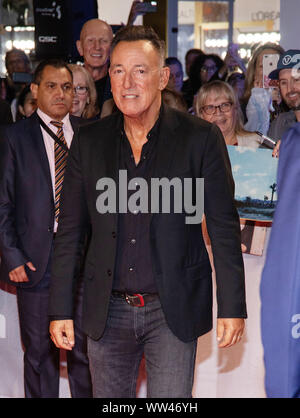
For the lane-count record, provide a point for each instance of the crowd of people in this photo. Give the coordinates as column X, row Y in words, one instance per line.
column 267, row 110
column 151, row 108
column 258, row 108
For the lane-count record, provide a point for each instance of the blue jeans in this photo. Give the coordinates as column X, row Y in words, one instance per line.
column 130, row 333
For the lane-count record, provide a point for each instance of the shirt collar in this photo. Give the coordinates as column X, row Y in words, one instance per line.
column 47, row 119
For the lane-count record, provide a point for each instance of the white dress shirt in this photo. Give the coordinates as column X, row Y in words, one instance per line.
column 49, row 144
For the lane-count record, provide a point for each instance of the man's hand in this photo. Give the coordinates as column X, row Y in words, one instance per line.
column 229, row 331
column 18, row 275
column 62, row 333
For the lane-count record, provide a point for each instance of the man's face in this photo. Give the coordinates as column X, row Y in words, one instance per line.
column 94, row 44
column 137, row 78
column 289, row 84
column 54, row 93
column 17, row 63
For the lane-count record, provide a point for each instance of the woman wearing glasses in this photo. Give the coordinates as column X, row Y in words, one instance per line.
column 85, row 95
column 203, row 69
column 217, row 103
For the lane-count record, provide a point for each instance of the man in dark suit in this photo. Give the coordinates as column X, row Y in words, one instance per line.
column 148, row 285
column 33, row 155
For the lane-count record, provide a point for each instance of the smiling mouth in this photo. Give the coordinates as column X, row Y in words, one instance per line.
column 220, row 121
column 129, row 96
column 293, row 95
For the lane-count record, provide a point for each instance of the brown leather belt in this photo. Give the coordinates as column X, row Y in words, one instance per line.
column 137, row 299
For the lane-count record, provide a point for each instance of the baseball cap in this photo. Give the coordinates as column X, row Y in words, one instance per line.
column 289, row 59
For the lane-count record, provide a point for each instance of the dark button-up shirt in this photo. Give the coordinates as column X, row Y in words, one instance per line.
column 133, row 268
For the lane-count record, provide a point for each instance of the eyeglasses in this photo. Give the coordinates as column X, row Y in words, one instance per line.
column 80, row 90
column 207, row 69
column 211, row 109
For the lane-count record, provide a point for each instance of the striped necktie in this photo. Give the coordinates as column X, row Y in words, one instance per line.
column 60, row 156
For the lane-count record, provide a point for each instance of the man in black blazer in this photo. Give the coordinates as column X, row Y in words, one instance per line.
column 29, row 204
column 148, row 284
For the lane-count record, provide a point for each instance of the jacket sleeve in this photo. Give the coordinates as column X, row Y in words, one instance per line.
column 73, row 228
column 10, row 253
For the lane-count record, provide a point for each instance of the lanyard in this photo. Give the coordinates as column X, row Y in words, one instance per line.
column 52, row 134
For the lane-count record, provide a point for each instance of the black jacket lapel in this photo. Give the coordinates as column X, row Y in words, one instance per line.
column 111, row 153
column 167, row 142
column 39, row 147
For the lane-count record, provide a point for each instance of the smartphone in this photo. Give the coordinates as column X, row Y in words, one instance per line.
column 269, row 64
column 150, row 6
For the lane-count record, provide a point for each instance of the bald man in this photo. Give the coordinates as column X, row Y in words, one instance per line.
column 94, row 46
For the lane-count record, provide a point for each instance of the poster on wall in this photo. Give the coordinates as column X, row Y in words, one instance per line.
column 254, row 172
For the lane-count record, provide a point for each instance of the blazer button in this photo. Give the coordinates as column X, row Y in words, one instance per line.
column 113, row 234
column 109, row 272
column 50, row 229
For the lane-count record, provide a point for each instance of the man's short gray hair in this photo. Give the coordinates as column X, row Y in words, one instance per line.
column 140, row 33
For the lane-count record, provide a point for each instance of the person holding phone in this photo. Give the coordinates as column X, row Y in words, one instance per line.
column 257, row 101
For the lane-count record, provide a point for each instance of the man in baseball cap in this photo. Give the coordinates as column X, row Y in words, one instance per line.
column 288, row 75
column 288, row 61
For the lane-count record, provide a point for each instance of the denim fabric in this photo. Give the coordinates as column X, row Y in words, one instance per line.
column 130, row 333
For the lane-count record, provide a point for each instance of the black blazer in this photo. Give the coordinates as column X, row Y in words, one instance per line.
column 187, row 147
column 26, row 199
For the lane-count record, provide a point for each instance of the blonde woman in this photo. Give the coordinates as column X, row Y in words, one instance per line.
column 85, row 96
column 216, row 102
column 260, row 105
column 254, row 74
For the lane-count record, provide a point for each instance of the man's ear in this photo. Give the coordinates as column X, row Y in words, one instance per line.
column 79, row 47
column 34, row 90
column 164, row 77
